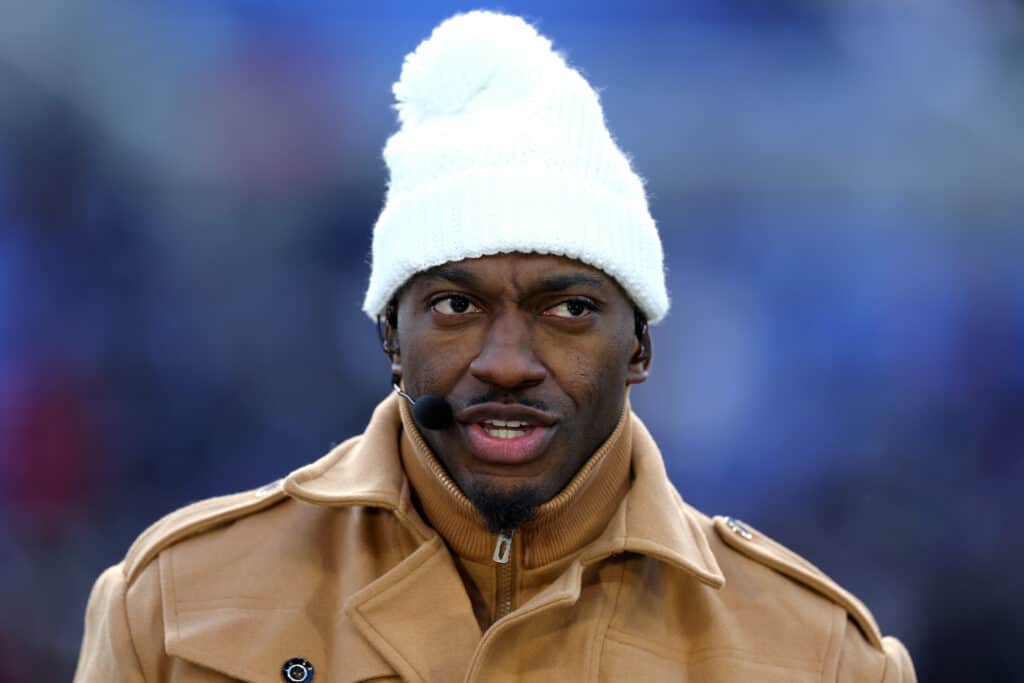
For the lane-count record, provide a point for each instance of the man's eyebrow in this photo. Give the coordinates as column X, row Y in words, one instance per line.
column 454, row 274
column 557, row 283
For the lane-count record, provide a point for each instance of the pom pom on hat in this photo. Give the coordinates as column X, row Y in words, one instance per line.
column 473, row 58
column 503, row 148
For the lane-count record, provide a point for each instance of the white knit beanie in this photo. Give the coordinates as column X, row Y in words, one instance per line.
column 503, row 148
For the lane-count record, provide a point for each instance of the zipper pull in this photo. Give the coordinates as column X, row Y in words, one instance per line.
column 503, row 548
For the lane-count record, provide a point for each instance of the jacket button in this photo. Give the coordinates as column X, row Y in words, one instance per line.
column 297, row 670
column 738, row 528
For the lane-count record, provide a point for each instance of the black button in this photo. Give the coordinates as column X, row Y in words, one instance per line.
column 297, row 670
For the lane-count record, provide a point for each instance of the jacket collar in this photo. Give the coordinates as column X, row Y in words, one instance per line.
column 650, row 520
column 364, row 470
column 653, row 520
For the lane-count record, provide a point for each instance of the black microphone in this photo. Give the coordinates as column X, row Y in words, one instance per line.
column 429, row 411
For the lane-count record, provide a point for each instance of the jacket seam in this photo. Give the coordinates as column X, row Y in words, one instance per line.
column 603, row 637
column 128, row 626
column 174, row 597
column 828, row 648
column 885, row 667
column 705, row 654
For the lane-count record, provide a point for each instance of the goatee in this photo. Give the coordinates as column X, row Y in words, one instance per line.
column 504, row 509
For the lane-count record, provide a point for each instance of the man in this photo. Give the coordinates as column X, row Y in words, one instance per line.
column 505, row 515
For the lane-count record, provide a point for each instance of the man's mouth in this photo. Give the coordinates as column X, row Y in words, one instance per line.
column 506, row 434
column 508, row 442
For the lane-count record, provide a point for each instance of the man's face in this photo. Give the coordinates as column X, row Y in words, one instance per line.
column 534, row 353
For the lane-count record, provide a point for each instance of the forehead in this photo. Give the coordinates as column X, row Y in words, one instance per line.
column 523, row 272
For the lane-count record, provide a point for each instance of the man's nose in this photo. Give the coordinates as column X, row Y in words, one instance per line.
column 507, row 359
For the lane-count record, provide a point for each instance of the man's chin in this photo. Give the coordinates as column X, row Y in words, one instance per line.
column 504, row 506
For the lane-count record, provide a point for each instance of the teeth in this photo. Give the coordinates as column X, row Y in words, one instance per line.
column 514, row 424
column 506, row 429
column 504, row 433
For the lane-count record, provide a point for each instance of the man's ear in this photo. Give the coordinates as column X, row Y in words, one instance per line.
column 640, row 361
column 387, row 330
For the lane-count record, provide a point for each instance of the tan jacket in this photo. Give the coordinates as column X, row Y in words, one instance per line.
column 337, row 565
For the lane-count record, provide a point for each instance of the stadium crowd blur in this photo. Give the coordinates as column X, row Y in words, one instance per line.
column 186, row 200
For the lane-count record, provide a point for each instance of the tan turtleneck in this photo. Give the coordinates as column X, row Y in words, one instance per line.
column 541, row 548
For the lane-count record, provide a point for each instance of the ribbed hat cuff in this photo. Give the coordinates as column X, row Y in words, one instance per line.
column 528, row 211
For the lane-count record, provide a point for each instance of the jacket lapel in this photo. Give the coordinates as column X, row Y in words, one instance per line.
column 419, row 617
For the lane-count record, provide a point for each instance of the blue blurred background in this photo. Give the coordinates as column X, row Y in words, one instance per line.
column 187, row 191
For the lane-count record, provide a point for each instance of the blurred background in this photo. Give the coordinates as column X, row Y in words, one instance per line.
column 187, row 192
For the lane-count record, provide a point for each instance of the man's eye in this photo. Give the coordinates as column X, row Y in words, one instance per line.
column 453, row 304
column 573, row 308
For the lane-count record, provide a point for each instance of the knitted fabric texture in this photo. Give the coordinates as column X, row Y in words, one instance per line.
column 503, row 148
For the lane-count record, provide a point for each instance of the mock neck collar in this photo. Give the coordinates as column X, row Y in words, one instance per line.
column 562, row 526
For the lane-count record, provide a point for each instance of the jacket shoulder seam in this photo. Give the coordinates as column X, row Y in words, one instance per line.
column 195, row 519
column 749, row 542
column 128, row 623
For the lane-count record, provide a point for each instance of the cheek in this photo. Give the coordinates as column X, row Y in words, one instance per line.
column 422, row 370
column 585, row 376
column 591, row 373
column 432, row 367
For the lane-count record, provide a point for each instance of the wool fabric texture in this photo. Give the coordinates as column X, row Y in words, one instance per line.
column 503, row 148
